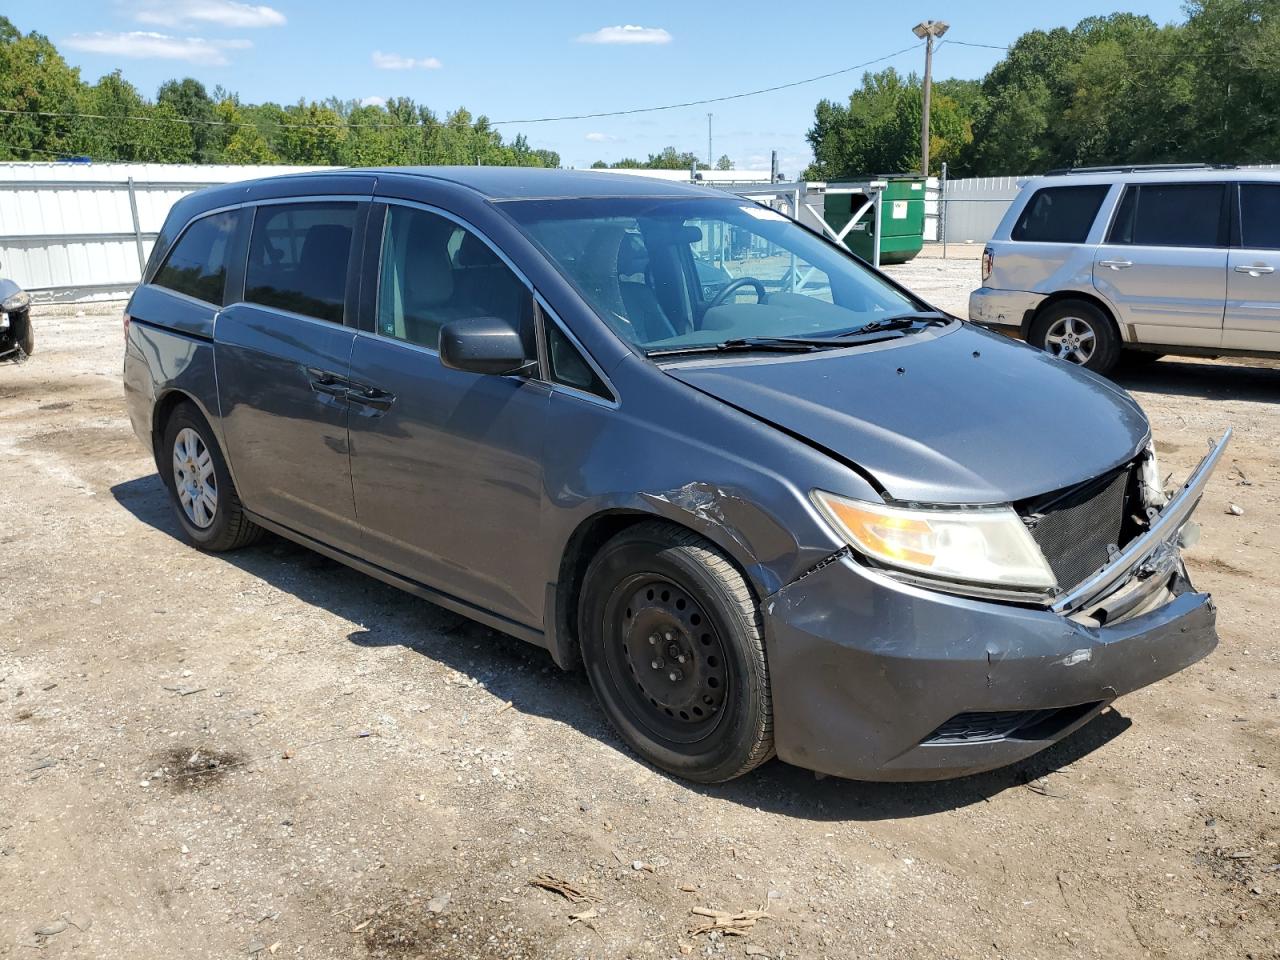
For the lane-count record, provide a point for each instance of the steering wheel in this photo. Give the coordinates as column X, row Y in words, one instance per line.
column 735, row 285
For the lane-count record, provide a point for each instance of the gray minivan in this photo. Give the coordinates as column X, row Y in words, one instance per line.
column 795, row 512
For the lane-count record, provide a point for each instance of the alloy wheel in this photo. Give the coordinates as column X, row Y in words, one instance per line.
column 1072, row 339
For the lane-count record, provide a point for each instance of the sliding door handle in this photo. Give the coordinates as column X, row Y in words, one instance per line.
column 1255, row 269
column 371, row 397
column 1116, row 264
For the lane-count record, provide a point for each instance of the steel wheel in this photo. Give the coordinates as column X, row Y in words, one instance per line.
column 1071, row 338
column 194, row 479
column 667, row 659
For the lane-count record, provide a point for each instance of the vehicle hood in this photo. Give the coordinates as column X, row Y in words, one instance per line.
column 8, row 288
column 951, row 415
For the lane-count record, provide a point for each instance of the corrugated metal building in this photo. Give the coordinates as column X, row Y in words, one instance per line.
column 73, row 231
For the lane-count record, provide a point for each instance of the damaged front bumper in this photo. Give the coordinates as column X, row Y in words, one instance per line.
column 877, row 679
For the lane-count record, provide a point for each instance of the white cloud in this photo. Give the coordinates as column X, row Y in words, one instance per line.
column 224, row 13
column 395, row 61
column 156, row 46
column 373, row 102
column 628, row 33
column 599, row 138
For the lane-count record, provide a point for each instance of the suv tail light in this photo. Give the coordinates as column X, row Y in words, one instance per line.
column 126, row 317
column 988, row 261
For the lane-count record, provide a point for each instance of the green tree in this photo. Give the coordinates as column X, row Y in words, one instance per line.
column 724, row 163
column 34, row 79
column 189, row 100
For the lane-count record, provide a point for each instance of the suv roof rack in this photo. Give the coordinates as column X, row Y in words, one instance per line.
column 1140, row 168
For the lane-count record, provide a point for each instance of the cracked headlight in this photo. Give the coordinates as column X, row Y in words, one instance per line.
column 986, row 545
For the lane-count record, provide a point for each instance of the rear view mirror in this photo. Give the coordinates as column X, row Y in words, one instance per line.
column 487, row 345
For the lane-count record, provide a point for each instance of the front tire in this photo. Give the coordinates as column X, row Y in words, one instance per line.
column 200, row 487
column 1078, row 332
column 673, row 645
column 24, row 333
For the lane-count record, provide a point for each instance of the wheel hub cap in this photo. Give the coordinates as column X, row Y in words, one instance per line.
column 1071, row 339
column 194, row 479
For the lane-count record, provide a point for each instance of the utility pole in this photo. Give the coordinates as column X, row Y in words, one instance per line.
column 711, row 163
column 926, row 31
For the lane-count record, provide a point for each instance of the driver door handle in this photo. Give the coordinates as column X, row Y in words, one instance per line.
column 1255, row 269
column 373, row 397
column 1116, row 264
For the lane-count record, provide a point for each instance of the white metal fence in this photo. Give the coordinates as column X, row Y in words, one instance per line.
column 73, row 231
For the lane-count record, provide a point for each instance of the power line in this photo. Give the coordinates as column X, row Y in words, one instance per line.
column 699, row 103
column 356, row 124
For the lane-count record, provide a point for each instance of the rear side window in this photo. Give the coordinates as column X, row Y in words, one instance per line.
column 1260, row 216
column 298, row 254
column 197, row 265
column 1171, row 215
column 1060, row 214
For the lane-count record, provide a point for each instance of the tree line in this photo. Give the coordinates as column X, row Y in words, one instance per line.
column 1113, row 89
column 50, row 113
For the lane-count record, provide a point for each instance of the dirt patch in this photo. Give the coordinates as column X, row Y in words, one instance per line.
column 410, row 928
column 1215, row 563
column 184, row 769
column 93, row 442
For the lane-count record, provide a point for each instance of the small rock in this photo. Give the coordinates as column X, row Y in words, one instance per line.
column 255, row 947
column 51, row 929
column 1235, row 510
column 437, row 903
column 755, row 950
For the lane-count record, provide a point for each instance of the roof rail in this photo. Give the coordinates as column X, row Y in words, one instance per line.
column 1140, row 168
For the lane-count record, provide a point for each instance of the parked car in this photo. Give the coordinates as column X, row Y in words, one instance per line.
column 828, row 526
column 17, row 337
column 1092, row 264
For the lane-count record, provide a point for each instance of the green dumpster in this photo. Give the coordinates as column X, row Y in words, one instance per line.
column 901, row 209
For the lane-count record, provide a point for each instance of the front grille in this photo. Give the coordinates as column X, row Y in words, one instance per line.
column 1075, row 528
column 985, row 726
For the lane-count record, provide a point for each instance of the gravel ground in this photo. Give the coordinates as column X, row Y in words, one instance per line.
column 268, row 754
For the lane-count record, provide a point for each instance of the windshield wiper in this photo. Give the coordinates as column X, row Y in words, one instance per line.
column 737, row 344
column 900, row 321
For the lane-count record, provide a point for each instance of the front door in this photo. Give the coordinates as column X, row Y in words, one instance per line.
column 446, row 465
column 1253, row 273
column 1163, row 263
column 282, row 355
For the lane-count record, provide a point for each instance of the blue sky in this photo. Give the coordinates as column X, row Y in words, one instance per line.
column 517, row 60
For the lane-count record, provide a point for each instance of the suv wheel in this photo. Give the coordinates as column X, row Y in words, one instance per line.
column 1078, row 332
column 673, row 644
column 200, row 486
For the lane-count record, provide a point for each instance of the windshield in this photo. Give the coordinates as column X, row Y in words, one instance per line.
column 667, row 273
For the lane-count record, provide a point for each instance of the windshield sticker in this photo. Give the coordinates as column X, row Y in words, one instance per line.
column 763, row 213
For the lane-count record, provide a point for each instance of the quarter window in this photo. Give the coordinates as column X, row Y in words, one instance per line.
column 435, row 271
column 568, row 365
column 1260, row 216
column 1171, row 215
column 1060, row 214
column 197, row 265
column 298, row 257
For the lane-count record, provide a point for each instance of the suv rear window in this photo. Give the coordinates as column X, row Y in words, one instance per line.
column 1260, row 216
column 1060, row 214
column 1171, row 215
column 197, row 264
column 298, row 258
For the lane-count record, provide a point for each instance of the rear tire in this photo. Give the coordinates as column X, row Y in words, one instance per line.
column 673, row 645
column 1077, row 332
column 200, row 487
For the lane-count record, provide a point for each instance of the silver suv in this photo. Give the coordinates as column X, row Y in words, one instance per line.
column 1092, row 264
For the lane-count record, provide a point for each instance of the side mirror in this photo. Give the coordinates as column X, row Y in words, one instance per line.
column 484, row 345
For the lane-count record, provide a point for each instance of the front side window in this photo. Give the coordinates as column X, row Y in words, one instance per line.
column 298, row 255
column 1060, row 214
column 434, row 272
column 1171, row 215
column 197, row 265
column 668, row 273
column 1260, row 216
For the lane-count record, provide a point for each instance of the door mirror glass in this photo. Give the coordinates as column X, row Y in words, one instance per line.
column 484, row 345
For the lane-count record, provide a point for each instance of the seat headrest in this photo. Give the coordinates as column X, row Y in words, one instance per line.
column 428, row 271
column 325, row 248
